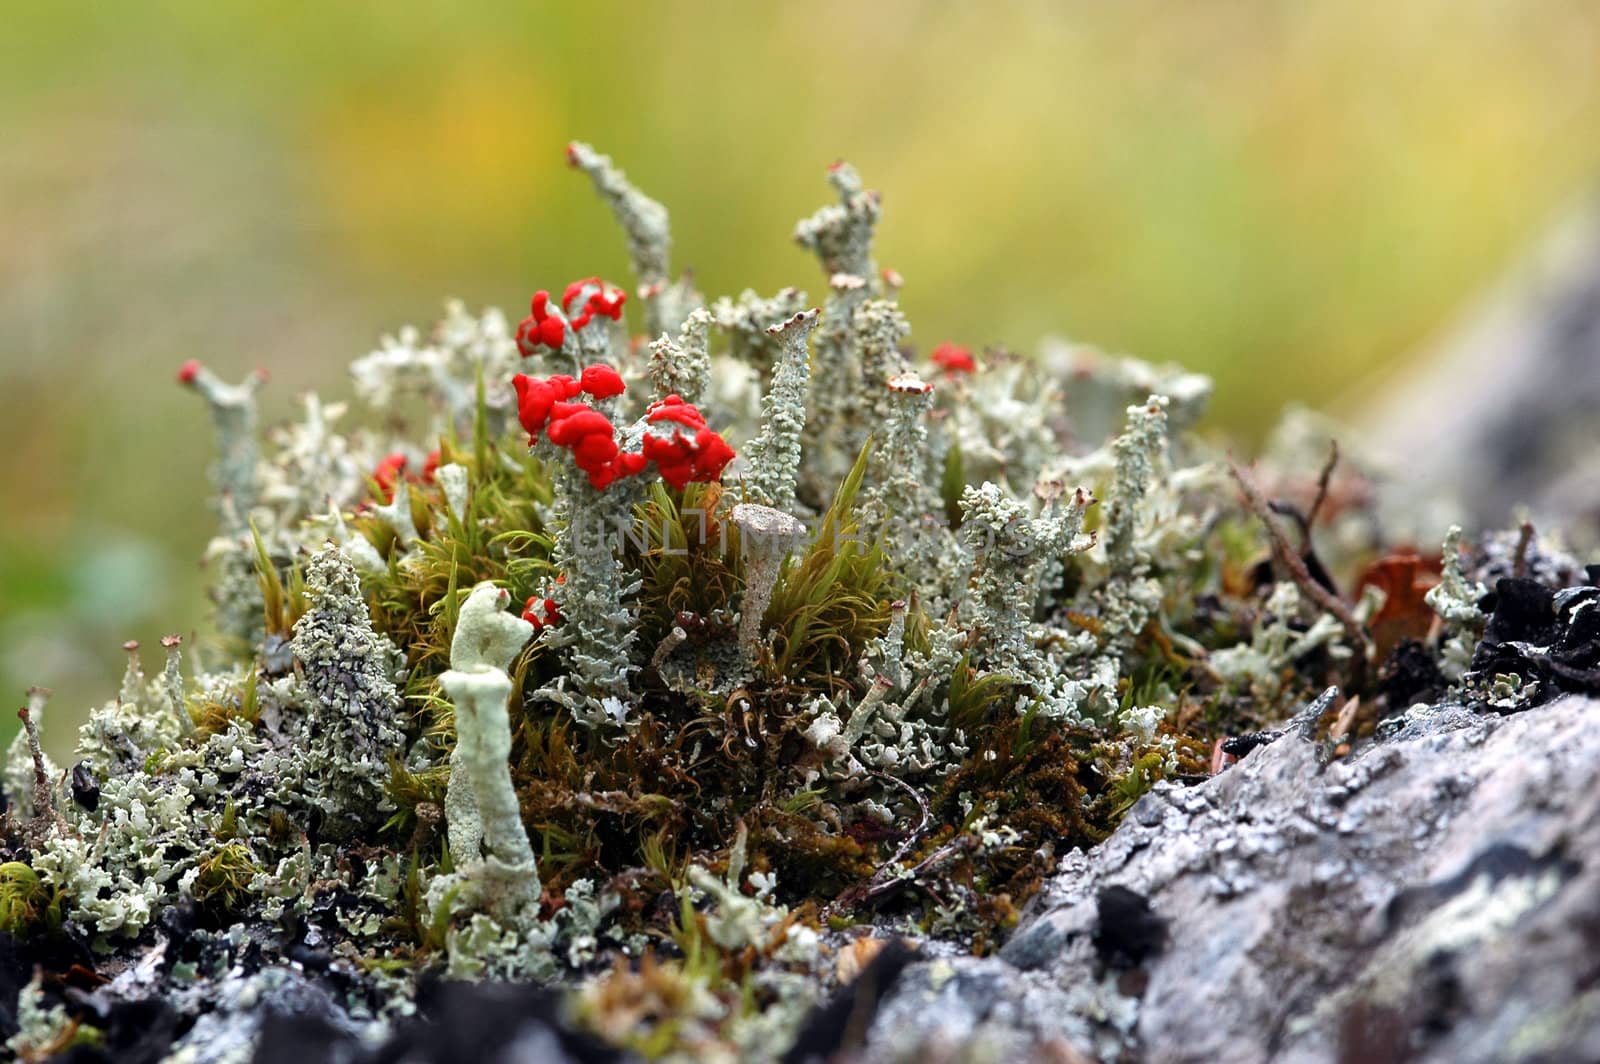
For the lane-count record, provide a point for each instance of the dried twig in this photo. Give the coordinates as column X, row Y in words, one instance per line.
column 881, row 881
column 1308, row 585
column 1323, row 481
column 1519, row 563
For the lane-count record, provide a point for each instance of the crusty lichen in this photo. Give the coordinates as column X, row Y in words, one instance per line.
column 353, row 704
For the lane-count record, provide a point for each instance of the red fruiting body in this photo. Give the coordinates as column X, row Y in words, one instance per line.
column 572, row 153
column 602, row 382
column 574, row 290
column 681, row 458
column 570, row 425
column 189, row 371
column 673, row 408
column 540, row 328
column 541, row 612
column 628, row 464
column 387, row 473
column 546, row 408
column 712, row 455
column 953, row 358
column 430, row 466
column 601, row 301
column 535, row 397
column 544, row 327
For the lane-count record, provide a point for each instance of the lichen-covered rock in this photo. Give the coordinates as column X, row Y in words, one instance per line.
column 1433, row 898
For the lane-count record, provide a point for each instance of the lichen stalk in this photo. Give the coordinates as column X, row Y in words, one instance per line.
column 682, row 367
column 773, row 457
column 645, row 224
column 233, row 413
column 766, row 536
column 353, row 701
column 487, row 838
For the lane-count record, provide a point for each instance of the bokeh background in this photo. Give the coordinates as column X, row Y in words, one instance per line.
column 1289, row 196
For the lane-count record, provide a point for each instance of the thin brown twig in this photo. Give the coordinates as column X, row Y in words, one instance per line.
column 1296, row 568
column 881, row 882
column 1519, row 564
column 1323, row 481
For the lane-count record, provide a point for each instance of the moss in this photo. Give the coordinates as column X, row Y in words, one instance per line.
column 831, row 600
column 223, row 878
column 26, row 901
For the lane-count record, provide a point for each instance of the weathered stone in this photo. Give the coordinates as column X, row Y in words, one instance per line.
column 1434, row 897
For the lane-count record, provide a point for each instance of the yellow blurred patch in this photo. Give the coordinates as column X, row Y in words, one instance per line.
column 439, row 175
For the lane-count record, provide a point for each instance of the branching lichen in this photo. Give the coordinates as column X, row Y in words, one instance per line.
column 774, row 456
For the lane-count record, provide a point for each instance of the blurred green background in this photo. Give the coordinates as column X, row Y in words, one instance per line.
column 1289, row 196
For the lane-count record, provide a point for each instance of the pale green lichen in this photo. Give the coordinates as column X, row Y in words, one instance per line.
column 353, row 704
column 682, row 367
column 748, row 321
column 233, row 412
column 668, row 303
column 946, row 681
column 1455, row 599
column 1009, row 547
column 487, row 840
column 773, row 458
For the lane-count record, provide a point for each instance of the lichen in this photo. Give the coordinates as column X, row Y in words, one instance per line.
column 815, row 631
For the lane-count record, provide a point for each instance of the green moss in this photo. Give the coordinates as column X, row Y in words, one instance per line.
column 223, row 879
column 832, row 599
column 26, row 901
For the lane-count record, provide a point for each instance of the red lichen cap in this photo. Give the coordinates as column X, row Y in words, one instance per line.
column 537, row 397
column 604, row 300
column 602, row 382
column 541, row 612
column 387, row 474
column 953, row 358
column 541, row 328
column 189, row 371
column 712, row 455
column 673, row 408
column 569, row 425
column 682, row 458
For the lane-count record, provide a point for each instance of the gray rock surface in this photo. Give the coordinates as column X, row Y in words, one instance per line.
column 1434, row 897
column 1513, row 387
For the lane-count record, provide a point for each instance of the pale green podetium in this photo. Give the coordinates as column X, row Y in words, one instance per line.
column 774, row 456
column 487, row 840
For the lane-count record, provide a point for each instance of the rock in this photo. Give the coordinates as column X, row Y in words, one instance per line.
column 1436, row 897
column 1513, row 387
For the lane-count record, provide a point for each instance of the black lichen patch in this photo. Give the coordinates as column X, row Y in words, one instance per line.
column 1495, row 863
column 468, row 1021
column 840, row 1025
column 85, row 788
column 1548, row 639
column 1410, row 674
column 1127, row 930
column 125, row 1032
column 455, row 1022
